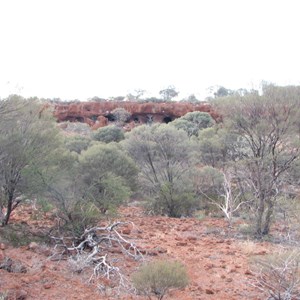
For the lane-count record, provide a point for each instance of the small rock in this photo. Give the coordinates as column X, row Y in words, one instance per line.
column 191, row 238
column 181, row 244
column 33, row 246
column 25, row 280
column 209, row 266
column 2, row 246
column 209, row 291
column 47, row 286
column 229, row 280
column 233, row 270
column 115, row 250
column 126, row 231
column 161, row 250
column 152, row 252
column 263, row 252
column 248, row 272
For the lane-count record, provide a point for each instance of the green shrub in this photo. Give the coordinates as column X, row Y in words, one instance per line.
column 192, row 122
column 82, row 216
column 77, row 143
column 109, row 134
column 19, row 235
column 175, row 205
column 157, row 277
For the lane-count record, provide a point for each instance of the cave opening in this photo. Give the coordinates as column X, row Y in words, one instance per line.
column 79, row 119
column 167, row 119
column 110, row 118
column 136, row 119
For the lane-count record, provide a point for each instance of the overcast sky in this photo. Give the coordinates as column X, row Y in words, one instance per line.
column 80, row 49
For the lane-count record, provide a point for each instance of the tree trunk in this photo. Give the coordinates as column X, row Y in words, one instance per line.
column 9, row 195
column 270, row 206
column 260, row 214
column 2, row 217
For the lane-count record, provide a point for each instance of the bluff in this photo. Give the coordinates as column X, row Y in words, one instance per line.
column 99, row 114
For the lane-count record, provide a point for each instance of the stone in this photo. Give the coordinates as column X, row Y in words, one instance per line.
column 248, row 272
column 209, row 291
column 47, row 286
column 33, row 246
column 181, row 244
column 126, row 231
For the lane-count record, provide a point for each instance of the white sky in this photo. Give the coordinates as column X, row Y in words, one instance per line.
column 75, row 49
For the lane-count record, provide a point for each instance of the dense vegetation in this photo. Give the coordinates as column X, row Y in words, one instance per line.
column 247, row 162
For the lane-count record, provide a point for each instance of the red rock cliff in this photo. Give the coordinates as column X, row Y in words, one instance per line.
column 98, row 114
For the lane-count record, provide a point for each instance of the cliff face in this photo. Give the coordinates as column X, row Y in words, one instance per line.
column 99, row 114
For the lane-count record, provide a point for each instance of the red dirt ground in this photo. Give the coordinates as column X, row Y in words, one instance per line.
column 218, row 266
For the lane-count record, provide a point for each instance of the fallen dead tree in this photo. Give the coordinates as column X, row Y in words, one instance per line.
column 91, row 250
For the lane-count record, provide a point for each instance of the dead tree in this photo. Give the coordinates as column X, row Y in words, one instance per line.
column 91, row 249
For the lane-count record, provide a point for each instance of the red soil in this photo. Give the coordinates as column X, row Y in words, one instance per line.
column 218, row 266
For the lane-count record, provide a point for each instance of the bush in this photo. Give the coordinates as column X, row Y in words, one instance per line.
column 193, row 122
column 278, row 275
column 109, row 134
column 158, row 277
column 181, row 204
column 82, row 216
column 77, row 143
column 121, row 115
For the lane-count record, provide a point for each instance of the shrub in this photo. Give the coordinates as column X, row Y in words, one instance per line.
column 121, row 115
column 193, row 122
column 158, row 277
column 109, row 134
column 82, row 215
column 278, row 275
column 77, row 143
column 181, row 204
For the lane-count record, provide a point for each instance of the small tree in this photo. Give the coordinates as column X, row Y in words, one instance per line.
column 191, row 99
column 267, row 128
column 169, row 93
column 27, row 137
column 158, row 277
column 162, row 154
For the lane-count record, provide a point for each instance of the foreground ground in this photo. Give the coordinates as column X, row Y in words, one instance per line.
column 217, row 264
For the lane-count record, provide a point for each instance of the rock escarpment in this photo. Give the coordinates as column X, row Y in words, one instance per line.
column 99, row 114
